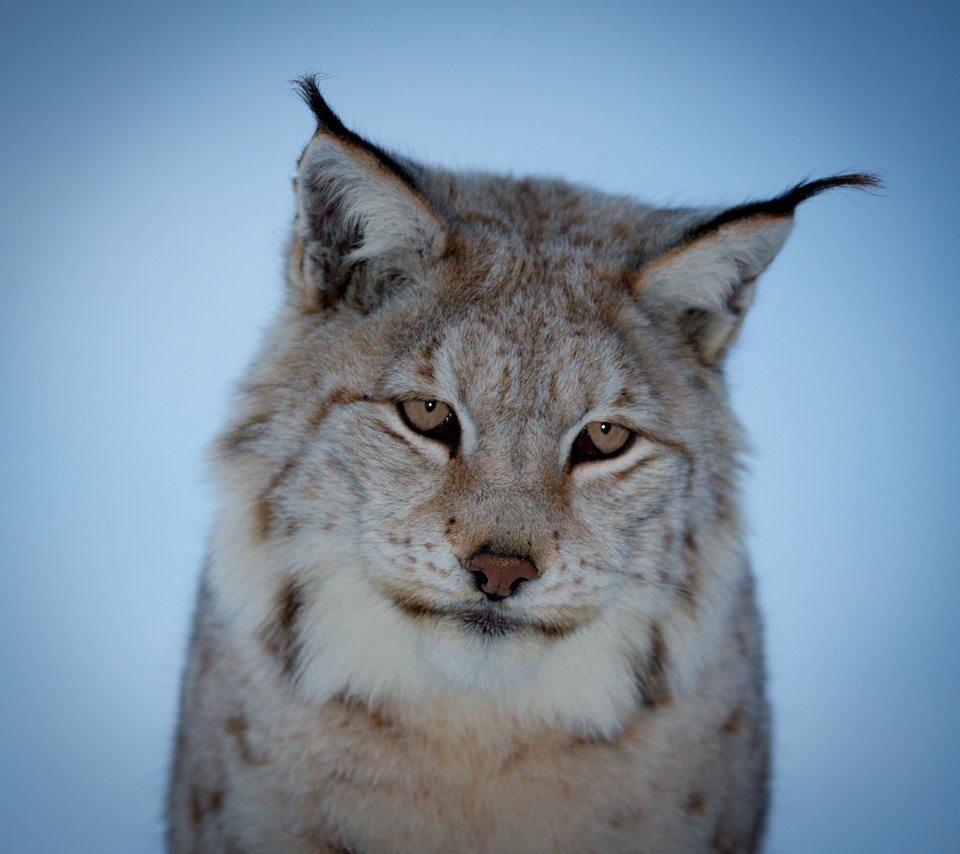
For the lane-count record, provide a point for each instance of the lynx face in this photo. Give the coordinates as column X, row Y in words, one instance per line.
column 532, row 425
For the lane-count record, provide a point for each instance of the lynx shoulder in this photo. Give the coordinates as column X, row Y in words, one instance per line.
column 477, row 581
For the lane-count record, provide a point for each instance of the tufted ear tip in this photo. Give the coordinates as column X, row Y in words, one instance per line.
column 355, row 203
column 705, row 278
column 308, row 88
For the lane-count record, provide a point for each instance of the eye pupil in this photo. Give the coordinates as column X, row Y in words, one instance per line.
column 429, row 405
column 605, row 427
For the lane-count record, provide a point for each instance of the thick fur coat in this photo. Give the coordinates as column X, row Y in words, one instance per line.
column 478, row 581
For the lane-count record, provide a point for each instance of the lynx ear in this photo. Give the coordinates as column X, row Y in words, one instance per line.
column 359, row 211
column 704, row 280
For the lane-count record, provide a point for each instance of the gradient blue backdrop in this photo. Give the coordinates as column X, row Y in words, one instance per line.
column 145, row 161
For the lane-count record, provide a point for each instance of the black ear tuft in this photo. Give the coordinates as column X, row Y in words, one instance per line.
column 329, row 122
column 784, row 204
column 309, row 91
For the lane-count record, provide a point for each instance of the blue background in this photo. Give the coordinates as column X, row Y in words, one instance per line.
column 145, row 161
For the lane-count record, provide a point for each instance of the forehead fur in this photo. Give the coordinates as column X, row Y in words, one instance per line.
column 541, row 214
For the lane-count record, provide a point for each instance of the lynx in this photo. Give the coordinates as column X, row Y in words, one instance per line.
column 478, row 579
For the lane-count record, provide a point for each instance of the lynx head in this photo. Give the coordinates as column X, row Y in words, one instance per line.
column 486, row 450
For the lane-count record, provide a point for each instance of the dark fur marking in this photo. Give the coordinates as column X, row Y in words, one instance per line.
column 650, row 672
column 628, row 816
column 241, row 437
column 373, row 716
column 416, row 608
column 281, row 637
column 263, row 518
column 425, row 361
column 691, row 558
column 338, row 397
column 731, row 726
column 696, row 802
column 265, row 509
column 726, row 512
column 625, row 473
column 519, row 754
column 202, row 806
column 236, row 727
column 387, row 431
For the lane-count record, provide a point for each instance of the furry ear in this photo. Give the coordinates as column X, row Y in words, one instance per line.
column 360, row 214
column 704, row 280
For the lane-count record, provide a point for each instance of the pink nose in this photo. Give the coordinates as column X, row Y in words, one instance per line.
column 499, row 575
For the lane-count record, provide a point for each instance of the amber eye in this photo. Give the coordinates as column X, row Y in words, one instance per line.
column 599, row 440
column 432, row 418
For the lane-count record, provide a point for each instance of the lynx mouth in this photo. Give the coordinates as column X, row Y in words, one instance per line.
column 487, row 621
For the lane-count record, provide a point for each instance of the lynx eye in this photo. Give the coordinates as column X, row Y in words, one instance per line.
column 599, row 440
column 432, row 418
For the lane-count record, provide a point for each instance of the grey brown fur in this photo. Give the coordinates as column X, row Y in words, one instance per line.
column 355, row 681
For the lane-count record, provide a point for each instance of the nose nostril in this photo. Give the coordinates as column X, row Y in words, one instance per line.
column 480, row 578
column 516, row 583
column 499, row 576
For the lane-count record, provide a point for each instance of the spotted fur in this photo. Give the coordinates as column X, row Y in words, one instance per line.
column 349, row 687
